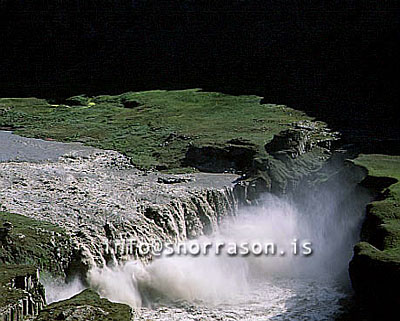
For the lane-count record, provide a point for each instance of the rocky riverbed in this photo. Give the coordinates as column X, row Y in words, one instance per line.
column 96, row 194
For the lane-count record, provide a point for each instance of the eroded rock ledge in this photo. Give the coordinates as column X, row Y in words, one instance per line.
column 85, row 194
column 290, row 157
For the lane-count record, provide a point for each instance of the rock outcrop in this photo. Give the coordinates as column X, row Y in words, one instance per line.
column 21, row 294
column 28, row 241
column 290, row 157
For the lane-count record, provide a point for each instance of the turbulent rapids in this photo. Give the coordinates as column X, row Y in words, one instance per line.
column 251, row 287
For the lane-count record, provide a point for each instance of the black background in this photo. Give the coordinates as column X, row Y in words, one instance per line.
column 338, row 60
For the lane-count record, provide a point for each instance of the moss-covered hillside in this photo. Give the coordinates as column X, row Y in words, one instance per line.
column 375, row 267
column 386, row 210
column 26, row 246
column 31, row 242
column 154, row 128
column 86, row 305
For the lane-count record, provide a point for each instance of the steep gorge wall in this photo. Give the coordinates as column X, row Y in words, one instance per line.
column 292, row 157
column 375, row 267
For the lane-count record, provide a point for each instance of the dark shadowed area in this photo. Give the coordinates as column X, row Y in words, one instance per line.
column 337, row 60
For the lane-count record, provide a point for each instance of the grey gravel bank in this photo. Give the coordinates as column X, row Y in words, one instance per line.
column 21, row 149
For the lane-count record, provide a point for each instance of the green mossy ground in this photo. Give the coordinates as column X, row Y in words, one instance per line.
column 30, row 245
column 375, row 267
column 86, row 305
column 386, row 211
column 36, row 243
column 153, row 128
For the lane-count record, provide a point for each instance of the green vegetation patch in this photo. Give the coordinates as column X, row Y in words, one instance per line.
column 27, row 241
column 384, row 212
column 153, row 128
column 86, row 305
column 26, row 245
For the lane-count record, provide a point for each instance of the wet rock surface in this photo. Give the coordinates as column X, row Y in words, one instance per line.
column 88, row 189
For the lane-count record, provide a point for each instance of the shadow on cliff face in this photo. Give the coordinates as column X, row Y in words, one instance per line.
column 212, row 159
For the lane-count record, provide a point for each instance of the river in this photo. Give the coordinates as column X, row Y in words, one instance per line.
column 301, row 286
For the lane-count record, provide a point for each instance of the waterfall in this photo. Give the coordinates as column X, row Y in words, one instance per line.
column 308, row 238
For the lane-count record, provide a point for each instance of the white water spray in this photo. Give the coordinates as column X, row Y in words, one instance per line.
column 214, row 279
column 57, row 289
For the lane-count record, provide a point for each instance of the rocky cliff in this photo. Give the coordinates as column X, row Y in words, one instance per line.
column 291, row 156
column 21, row 294
column 375, row 267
